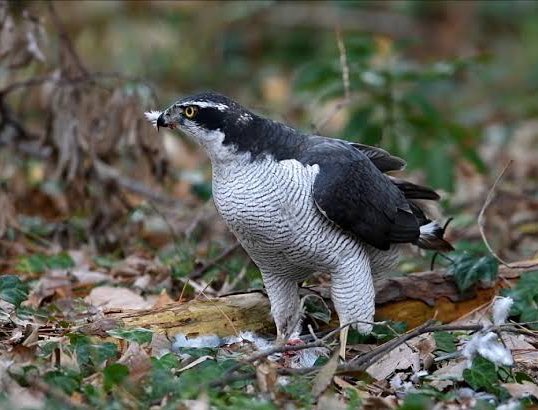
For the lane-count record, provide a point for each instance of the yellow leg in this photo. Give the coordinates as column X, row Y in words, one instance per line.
column 343, row 342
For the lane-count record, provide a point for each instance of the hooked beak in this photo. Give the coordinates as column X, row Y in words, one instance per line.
column 161, row 122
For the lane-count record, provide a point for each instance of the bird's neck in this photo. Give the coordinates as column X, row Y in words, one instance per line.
column 261, row 138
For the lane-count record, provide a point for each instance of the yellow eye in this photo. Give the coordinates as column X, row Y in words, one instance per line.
column 190, row 111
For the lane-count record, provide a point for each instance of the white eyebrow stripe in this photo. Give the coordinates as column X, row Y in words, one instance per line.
column 206, row 104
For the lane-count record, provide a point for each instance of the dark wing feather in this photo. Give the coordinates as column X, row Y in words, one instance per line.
column 354, row 194
column 414, row 191
column 383, row 160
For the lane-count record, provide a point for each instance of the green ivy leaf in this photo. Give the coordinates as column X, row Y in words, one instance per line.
column 445, row 341
column 315, row 307
column 60, row 261
column 66, row 380
column 114, row 375
column 481, row 375
column 13, row 290
column 47, row 349
column 416, row 401
column 91, row 355
column 39, row 262
column 467, row 270
column 202, row 190
column 138, row 335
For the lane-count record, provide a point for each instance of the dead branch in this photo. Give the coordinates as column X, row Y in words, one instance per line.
column 107, row 173
column 199, row 272
column 66, row 40
column 343, row 62
column 246, row 311
column 345, row 81
column 481, row 225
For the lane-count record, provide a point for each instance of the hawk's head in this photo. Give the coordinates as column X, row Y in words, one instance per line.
column 209, row 118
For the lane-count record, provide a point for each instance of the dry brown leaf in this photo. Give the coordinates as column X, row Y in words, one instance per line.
column 524, row 353
column 163, row 300
column 160, row 345
column 135, row 265
column 521, row 390
column 446, row 375
column 330, row 401
column 137, row 360
column 86, row 276
column 401, row 358
column 16, row 337
column 201, row 403
column 267, row 376
column 325, row 376
column 379, row 403
column 110, row 298
column 54, row 283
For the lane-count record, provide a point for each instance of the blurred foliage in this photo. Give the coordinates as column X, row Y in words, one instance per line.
column 425, row 95
column 437, row 83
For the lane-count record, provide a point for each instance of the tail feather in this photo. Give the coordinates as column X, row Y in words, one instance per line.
column 431, row 237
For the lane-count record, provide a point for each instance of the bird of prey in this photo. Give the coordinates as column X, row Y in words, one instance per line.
column 301, row 203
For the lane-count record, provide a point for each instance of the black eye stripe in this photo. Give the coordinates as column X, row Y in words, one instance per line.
column 209, row 118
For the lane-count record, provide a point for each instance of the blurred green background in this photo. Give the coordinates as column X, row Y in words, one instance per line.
column 429, row 80
column 450, row 86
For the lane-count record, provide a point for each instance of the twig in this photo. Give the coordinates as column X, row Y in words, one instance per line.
column 106, row 172
column 199, row 272
column 362, row 362
column 343, row 62
column 481, row 224
column 66, row 40
column 37, row 81
column 345, row 80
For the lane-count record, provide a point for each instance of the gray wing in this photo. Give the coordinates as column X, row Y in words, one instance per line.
column 352, row 192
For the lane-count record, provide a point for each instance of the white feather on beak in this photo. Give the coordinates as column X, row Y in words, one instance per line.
column 152, row 117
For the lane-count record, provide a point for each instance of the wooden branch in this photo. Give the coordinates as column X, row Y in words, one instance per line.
column 482, row 223
column 413, row 299
column 107, row 173
column 219, row 316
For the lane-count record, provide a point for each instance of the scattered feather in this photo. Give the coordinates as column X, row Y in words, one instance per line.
column 488, row 346
column 501, row 309
column 181, row 341
column 399, row 386
column 510, row 405
column 307, row 357
column 152, row 116
column 259, row 342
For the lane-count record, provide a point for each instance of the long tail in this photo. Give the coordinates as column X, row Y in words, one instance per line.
column 431, row 233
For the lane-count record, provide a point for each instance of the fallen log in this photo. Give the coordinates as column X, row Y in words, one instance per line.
column 412, row 299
